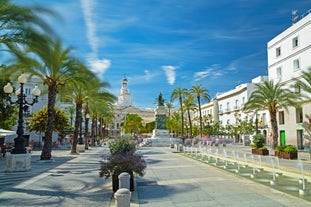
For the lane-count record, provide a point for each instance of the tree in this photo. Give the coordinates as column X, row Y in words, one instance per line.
column 38, row 121
column 71, row 110
column 271, row 97
column 132, row 123
column 8, row 112
column 20, row 25
column 56, row 68
column 169, row 106
column 189, row 105
column 304, row 83
column 180, row 93
column 200, row 92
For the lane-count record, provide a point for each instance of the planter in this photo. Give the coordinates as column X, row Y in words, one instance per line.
column 115, row 182
column 260, row 152
column 290, row 156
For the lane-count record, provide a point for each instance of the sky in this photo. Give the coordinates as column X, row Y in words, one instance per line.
column 160, row 45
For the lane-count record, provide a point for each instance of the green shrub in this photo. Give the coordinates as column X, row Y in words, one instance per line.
column 259, row 140
column 279, row 149
column 122, row 145
column 290, row 149
column 263, row 148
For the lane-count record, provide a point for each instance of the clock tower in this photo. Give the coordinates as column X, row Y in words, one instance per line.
column 124, row 98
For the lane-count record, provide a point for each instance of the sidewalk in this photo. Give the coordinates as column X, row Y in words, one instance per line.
column 71, row 180
column 173, row 179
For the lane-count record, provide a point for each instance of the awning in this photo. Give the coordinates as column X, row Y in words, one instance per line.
column 4, row 132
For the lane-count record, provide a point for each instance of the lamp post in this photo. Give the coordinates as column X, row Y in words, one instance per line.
column 23, row 104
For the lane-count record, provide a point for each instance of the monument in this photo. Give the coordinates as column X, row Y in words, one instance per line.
column 161, row 135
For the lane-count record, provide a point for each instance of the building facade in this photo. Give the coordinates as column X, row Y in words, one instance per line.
column 289, row 53
column 123, row 107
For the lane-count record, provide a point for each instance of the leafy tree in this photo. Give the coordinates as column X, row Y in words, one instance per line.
column 132, row 123
column 180, row 93
column 200, row 92
column 8, row 112
column 38, row 121
column 271, row 97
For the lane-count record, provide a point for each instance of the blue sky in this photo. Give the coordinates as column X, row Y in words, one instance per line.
column 160, row 45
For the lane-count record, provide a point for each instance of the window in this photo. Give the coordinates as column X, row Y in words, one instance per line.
column 296, row 64
column 236, row 104
column 278, row 51
column 281, row 117
column 295, row 42
column 243, row 100
column 299, row 116
column 227, row 109
column 279, row 72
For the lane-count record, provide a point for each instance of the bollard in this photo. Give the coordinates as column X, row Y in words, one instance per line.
column 124, row 180
column 122, row 198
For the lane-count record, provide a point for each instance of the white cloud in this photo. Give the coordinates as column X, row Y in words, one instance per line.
column 210, row 72
column 98, row 66
column 87, row 7
column 170, row 73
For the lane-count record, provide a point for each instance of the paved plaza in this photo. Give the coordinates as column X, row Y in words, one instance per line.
column 171, row 179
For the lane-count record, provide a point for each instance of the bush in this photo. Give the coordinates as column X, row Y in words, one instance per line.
column 122, row 145
column 259, row 140
column 290, row 149
column 279, row 149
column 263, row 148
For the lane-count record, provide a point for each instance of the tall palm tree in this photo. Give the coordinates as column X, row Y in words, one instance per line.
column 169, row 106
column 189, row 105
column 56, row 68
column 20, row 24
column 199, row 92
column 272, row 97
column 180, row 93
column 71, row 110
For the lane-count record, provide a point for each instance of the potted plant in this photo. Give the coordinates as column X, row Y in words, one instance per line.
column 122, row 159
column 286, row 152
column 290, row 152
column 278, row 150
column 258, row 147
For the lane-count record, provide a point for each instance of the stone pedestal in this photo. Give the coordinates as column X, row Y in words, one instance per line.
column 160, row 133
column 18, row 162
column 80, row 147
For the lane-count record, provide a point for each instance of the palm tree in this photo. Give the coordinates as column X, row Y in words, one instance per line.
column 180, row 93
column 200, row 92
column 71, row 110
column 169, row 106
column 20, row 24
column 271, row 97
column 189, row 105
column 305, row 83
column 56, row 68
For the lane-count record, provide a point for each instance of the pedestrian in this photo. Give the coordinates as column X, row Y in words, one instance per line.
column 3, row 149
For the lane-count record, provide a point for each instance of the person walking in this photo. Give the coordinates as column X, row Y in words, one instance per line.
column 3, row 149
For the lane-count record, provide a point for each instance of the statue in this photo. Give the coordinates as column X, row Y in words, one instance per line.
column 160, row 100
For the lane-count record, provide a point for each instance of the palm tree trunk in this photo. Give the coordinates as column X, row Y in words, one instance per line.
column 47, row 147
column 182, row 118
column 200, row 115
column 76, row 129
column 274, row 126
column 190, row 122
column 93, row 132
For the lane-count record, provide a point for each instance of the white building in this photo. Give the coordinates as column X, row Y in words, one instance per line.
column 289, row 53
column 124, row 106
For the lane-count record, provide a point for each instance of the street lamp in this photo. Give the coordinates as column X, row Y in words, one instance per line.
column 23, row 104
